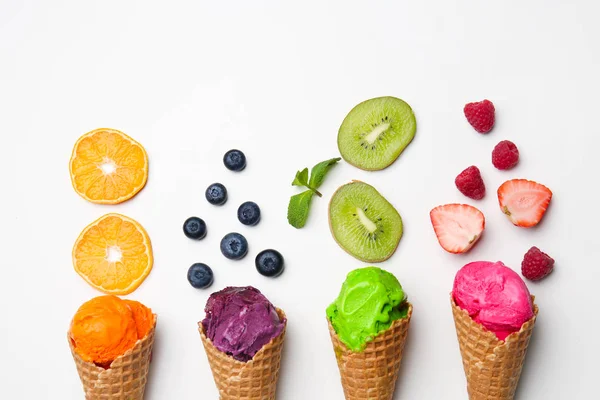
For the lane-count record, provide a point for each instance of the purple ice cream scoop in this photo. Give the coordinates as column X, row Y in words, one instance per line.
column 240, row 321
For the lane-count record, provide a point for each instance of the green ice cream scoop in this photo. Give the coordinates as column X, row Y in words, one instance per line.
column 371, row 299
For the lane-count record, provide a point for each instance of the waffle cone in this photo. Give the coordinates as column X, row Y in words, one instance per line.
column 372, row 373
column 124, row 380
column 492, row 366
column 252, row 380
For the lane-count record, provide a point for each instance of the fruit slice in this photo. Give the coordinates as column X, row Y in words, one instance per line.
column 364, row 223
column 108, row 167
column 525, row 202
column 375, row 132
column 457, row 226
column 113, row 254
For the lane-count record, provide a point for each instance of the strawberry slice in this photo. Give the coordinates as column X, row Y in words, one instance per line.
column 525, row 202
column 457, row 226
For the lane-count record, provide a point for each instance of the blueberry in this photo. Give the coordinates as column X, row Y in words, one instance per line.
column 194, row 228
column 216, row 194
column 249, row 213
column 234, row 160
column 269, row 263
column 200, row 276
column 234, row 246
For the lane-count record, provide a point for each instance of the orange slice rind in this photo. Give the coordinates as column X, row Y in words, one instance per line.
column 113, row 254
column 108, row 167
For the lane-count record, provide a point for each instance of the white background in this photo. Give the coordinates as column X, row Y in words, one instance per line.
column 190, row 80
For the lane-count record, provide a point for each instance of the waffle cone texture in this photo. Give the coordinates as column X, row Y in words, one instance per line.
column 125, row 379
column 492, row 367
column 372, row 373
column 252, row 380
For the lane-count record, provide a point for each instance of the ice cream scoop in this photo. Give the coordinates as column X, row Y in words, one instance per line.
column 105, row 327
column 240, row 321
column 494, row 296
column 370, row 300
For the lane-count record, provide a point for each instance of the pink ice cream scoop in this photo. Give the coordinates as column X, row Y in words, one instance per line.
column 494, row 296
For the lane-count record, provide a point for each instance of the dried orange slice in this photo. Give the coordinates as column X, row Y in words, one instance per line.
column 108, row 167
column 113, row 254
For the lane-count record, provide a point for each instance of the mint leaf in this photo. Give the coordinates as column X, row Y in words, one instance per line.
column 301, row 178
column 318, row 172
column 298, row 209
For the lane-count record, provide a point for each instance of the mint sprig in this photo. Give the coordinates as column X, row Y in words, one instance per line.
column 299, row 205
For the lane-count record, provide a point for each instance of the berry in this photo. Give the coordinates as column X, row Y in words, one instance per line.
column 234, row 160
column 524, row 202
column 470, row 184
column 200, row 276
column 234, row 246
column 457, row 226
column 194, row 228
column 536, row 264
column 505, row 155
column 481, row 115
column 249, row 213
column 216, row 194
column 269, row 263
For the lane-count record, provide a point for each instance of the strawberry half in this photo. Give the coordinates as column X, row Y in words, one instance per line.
column 457, row 226
column 524, row 202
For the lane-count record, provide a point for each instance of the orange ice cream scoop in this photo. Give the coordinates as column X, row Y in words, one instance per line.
column 103, row 329
column 143, row 317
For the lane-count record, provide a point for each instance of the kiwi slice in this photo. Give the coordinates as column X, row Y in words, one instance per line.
column 375, row 132
column 364, row 223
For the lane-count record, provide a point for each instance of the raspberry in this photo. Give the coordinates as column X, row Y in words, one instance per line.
column 536, row 264
column 481, row 115
column 470, row 184
column 505, row 155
